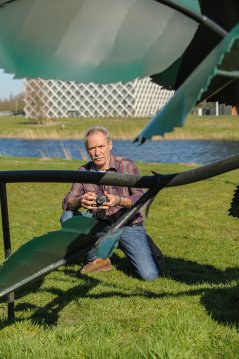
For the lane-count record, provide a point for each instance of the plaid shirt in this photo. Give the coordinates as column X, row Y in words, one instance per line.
column 117, row 164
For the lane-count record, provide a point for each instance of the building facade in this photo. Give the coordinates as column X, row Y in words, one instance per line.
column 58, row 99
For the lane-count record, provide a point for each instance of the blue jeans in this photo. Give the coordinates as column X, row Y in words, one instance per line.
column 134, row 243
column 67, row 215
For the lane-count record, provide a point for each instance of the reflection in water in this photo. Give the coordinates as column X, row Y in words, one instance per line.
column 165, row 151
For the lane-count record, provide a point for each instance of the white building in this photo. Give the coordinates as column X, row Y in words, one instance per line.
column 55, row 99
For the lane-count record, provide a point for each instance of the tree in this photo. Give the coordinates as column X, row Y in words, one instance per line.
column 34, row 98
column 13, row 103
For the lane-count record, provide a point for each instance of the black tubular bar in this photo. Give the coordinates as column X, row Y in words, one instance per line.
column 5, row 220
column 6, row 242
column 118, row 179
column 5, row 3
column 201, row 173
column 152, row 192
column 199, row 18
column 155, row 183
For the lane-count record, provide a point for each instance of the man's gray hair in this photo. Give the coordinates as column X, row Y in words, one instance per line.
column 95, row 129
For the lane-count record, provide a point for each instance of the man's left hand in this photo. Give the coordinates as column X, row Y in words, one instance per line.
column 112, row 200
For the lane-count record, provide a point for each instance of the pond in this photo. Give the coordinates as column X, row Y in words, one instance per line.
column 164, row 151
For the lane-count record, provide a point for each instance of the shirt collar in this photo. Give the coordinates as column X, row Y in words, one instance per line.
column 112, row 164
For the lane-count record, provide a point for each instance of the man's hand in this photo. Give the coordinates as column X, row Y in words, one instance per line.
column 88, row 200
column 112, row 200
column 115, row 200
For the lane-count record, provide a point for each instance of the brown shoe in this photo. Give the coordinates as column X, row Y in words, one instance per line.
column 98, row 265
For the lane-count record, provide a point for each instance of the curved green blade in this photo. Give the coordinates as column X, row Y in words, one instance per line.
column 43, row 254
column 222, row 62
column 92, row 41
column 106, row 244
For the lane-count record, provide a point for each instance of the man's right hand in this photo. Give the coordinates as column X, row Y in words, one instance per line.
column 88, row 200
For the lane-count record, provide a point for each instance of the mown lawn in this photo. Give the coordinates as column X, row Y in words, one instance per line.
column 191, row 311
column 206, row 127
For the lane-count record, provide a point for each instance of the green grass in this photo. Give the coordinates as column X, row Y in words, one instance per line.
column 207, row 127
column 191, row 311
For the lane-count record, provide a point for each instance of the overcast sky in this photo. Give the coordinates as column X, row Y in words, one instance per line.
column 9, row 86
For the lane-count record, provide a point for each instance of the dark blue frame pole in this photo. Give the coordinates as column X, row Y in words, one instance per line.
column 7, row 242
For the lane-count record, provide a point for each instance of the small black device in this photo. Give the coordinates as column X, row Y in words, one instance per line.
column 100, row 213
column 100, row 200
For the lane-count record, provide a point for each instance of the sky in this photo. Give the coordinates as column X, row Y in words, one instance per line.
column 9, row 85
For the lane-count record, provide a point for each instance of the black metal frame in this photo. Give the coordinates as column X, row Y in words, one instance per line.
column 199, row 18
column 6, row 242
column 154, row 183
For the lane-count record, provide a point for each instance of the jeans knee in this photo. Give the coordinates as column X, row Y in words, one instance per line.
column 149, row 275
column 65, row 216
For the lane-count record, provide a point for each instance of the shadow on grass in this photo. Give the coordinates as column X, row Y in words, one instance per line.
column 31, row 288
column 220, row 303
column 49, row 314
column 190, row 272
column 184, row 271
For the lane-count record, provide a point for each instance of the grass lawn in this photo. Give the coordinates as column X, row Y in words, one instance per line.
column 207, row 127
column 191, row 311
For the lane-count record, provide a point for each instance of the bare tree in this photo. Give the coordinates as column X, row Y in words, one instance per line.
column 34, row 95
column 13, row 103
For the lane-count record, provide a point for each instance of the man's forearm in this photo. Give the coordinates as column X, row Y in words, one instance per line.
column 73, row 203
column 125, row 202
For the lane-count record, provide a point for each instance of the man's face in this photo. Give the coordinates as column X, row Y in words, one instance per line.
column 99, row 150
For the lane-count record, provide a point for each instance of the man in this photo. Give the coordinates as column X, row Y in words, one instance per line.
column 133, row 240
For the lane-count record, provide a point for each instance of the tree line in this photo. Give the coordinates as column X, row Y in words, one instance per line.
column 13, row 103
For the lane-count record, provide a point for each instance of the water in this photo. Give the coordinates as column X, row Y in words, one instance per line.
column 165, row 151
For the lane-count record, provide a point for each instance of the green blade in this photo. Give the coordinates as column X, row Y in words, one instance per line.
column 43, row 254
column 223, row 60
column 92, row 41
column 106, row 244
